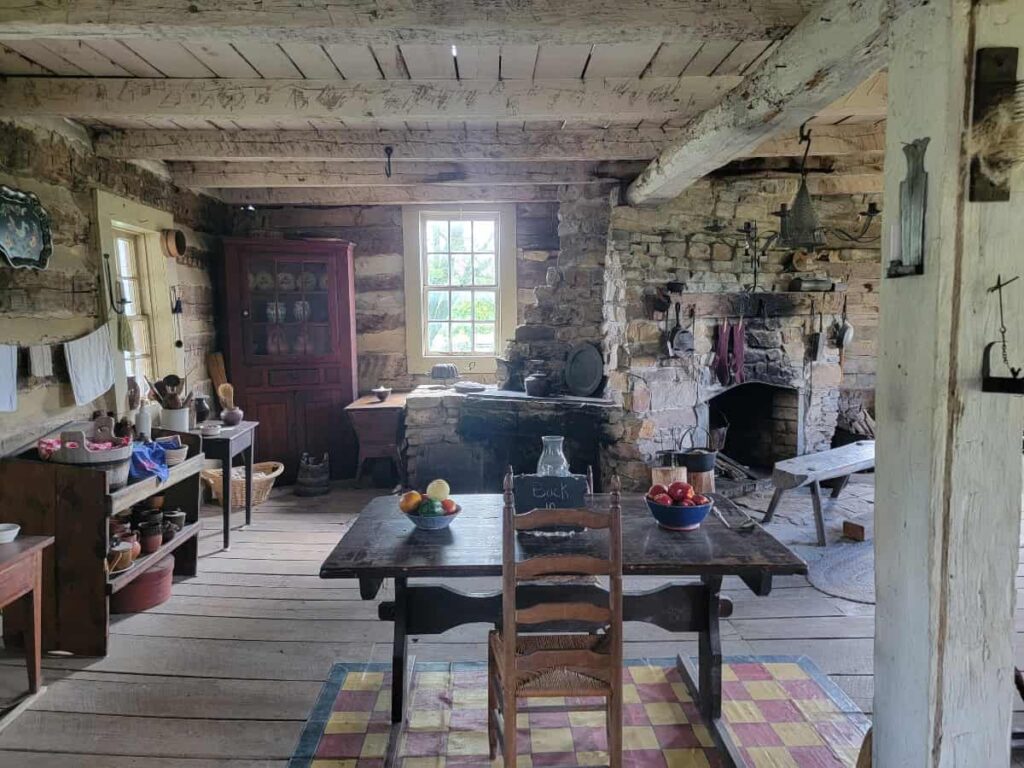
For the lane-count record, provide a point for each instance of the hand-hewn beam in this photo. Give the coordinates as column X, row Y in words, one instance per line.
column 823, row 58
column 405, row 21
column 328, row 174
column 612, row 144
column 625, row 98
column 375, row 195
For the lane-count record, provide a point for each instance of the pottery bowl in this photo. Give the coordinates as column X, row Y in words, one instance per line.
column 9, row 532
column 433, row 522
column 382, row 393
column 176, row 518
column 679, row 518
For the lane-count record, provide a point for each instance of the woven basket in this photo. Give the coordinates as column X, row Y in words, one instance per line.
column 261, row 486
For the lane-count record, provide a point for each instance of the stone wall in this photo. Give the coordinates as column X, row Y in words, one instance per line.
column 569, row 304
column 649, row 247
column 63, row 302
column 380, row 274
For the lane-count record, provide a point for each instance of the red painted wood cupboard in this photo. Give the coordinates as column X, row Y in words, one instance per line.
column 291, row 346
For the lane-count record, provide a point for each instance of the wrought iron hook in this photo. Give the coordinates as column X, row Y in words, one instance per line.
column 117, row 305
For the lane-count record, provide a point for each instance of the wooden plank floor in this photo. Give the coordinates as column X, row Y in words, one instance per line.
column 223, row 675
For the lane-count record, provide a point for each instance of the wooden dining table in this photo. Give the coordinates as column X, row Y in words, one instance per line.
column 383, row 544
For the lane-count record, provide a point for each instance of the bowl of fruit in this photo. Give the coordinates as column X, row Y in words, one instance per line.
column 677, row 507
column 432, row 510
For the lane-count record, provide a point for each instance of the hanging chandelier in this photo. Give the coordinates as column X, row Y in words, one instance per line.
column 799, row 226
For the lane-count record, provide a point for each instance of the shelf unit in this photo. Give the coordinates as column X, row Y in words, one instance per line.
column 73, row 503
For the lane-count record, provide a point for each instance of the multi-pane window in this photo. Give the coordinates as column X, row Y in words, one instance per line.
column 138, row 362
column 460, row 283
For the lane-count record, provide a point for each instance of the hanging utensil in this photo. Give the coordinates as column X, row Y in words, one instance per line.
column 674, row 333
column 816, row 339
column 844, row 333
column 682, row 344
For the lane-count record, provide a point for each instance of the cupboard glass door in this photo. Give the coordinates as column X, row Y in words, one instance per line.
column 290, row 310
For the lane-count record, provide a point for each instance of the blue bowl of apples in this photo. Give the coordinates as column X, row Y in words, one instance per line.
column 677, row 507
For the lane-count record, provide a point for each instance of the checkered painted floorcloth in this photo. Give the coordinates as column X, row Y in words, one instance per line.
column 782, row 712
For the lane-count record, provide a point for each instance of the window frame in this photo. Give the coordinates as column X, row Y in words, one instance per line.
column 142, row 310
column 147, row 224
column 414, row 218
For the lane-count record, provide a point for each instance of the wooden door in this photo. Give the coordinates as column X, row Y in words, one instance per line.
column 275, row 438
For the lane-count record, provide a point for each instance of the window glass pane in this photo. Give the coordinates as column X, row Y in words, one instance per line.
column 130, row 293
column 484, row 272
column 459, row 233
column 462, row 337
column 437, row 236
column 437, row 305
column 437, row 337
column 484, row 337
column 462, row 305
column 483, row 236
column 437, row 269
column 484, row 305
column 140, row 334
column 125, row 262
column 462, row 269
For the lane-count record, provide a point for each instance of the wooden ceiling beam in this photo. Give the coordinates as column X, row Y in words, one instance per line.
column 825, row 57
column 139, row 98
column 404, row 173
column 382, row 195
column 442, row 22
column 361, row 145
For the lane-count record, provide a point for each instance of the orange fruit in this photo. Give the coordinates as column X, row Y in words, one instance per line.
column 410, row 501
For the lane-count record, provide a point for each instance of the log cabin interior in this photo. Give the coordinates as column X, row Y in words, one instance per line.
column 308, row 309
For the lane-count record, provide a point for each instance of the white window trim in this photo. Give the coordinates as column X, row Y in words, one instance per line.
column 159, row 273
column 418, row 361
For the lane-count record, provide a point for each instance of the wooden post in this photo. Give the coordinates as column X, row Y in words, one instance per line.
column 948, row 475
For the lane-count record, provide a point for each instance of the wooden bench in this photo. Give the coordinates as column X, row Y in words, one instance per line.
column 814, row 469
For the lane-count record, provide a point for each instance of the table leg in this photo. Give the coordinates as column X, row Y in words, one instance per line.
column 772, row 506
column 247, row 456
column 819, row 514
column 399, row 650
column 225, row 504
column 709, row 651
column 34, row 626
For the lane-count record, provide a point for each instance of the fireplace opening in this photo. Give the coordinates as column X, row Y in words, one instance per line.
column 764, row 423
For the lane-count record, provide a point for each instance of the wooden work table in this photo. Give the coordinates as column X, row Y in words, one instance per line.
column 21, row 579
column 378, row 426
column 383, row 543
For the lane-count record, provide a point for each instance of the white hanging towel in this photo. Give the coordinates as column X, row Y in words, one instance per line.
column 40, row 357
column 89, row 365
column 8, row 377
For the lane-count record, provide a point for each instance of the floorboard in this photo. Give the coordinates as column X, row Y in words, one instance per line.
column 224, row 673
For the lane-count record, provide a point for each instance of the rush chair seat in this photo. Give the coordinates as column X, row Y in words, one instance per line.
column 525, row 663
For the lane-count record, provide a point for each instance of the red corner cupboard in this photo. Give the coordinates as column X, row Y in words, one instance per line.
column 290, row 312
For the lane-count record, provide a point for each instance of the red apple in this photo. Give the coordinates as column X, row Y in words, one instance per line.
column 663, row 498
column 688, row 503
column 680, row 490
column 656, row 490
column 698, row 499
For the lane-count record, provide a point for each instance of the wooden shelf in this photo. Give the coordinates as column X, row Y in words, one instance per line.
column 117, row 582
column 124, row 498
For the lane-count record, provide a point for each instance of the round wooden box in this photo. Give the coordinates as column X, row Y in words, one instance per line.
column 149, row 589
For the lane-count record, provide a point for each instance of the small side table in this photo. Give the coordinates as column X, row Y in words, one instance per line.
column 378, row 427
column 233, row 441
column 21, row 578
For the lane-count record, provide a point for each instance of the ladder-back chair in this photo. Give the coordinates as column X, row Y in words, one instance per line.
column 549, row 664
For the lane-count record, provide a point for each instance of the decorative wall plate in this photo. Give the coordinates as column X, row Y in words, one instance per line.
column 24, row 229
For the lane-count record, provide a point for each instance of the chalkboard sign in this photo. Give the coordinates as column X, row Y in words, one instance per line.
column 540, row 492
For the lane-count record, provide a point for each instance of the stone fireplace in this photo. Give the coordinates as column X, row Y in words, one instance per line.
column 764, row 422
